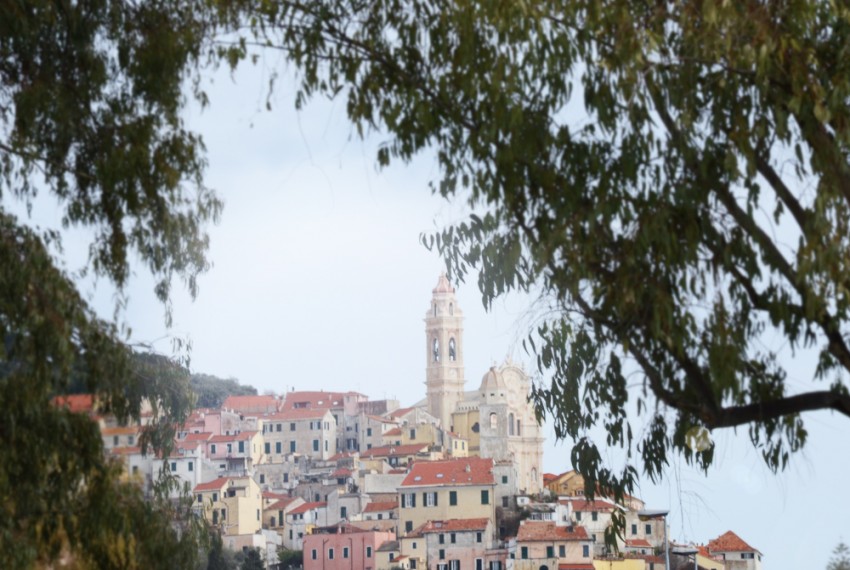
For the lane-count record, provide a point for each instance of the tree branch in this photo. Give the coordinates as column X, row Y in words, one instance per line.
column 772, row 409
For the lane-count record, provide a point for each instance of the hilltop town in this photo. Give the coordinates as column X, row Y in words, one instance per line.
column 452, row 482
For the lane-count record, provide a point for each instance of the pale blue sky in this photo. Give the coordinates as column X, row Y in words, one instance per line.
column 319, row 281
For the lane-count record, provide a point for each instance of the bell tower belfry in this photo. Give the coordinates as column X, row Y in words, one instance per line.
column 444, row 352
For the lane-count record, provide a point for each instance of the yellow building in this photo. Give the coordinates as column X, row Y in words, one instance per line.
column 233, row 504
column 443, row 490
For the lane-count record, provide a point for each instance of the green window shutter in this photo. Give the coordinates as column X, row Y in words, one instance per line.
column 453, row 498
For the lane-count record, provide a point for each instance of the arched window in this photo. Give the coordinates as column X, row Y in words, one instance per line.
column 451, row 309
column 533, row 474
column 519, row 427
column 435, row 309
column 511, row 423
column 494, row 421
column 436, row 350
column 452, row 351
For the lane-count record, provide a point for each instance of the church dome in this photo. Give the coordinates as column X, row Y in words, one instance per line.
column 493, row 381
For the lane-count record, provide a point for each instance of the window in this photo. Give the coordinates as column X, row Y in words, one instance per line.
column 343, row 512
column 519, row 429
column 505, row 502
column 430, row 499
column 200, row 498
column 494, row 421
column 453, row 498
column 212, row 449
column 229, row 448
column 223, row 514
column 262, row 478
column 368, row 552
column 479, row 564
column 585, row 550
column 524, row 553
column 594, row 516
column 452, row 350
column 442, row 554
column 562, row 550
column 454, row 564
column 510, row 424
column 215, row 497
column 345, row 552
column 442, row 539
column 485, row 497
column 130, row 440
column 578, row 515
column 292, row 426
column 330, row 553
column 278, row 447
column 412, row 564
column 173, row 466
column 258, row 514
column 478, row 537
column 279, row 427
column 414, row 545
column 286, row 477
column 315, row 445
column 408, row 500
column 413, row 434
column 634, row 529
column 392, row 556
column 268, row 448
column 115, row 440
column 550, row 552
column 453, row 538
column 495, row 565
column 648, row 529
column 314, row 555
column 748, row 555
column 435, row 347
column 241, row 447
column 368, row 432
column 504, row 479
column 408, row 526
column 292, row 446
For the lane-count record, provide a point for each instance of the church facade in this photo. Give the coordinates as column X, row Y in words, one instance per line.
column 497, row 418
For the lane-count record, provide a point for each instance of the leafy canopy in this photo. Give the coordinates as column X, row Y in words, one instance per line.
column 91, row 96
column 672, row 177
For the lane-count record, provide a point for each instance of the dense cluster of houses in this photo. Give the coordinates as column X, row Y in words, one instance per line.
column 269, row 473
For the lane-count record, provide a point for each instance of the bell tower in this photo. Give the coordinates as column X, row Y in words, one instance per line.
column 444, row 352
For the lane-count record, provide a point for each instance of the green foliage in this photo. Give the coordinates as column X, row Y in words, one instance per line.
column 289, row 558
column 671, row 179
column 211, row 391
column 91, row 95
column 253, row 560
column 840, row 558
column 219, row 557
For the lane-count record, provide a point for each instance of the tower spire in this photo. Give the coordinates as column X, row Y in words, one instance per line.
column 444, row 352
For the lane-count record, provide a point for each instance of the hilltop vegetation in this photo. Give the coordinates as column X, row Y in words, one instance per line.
column 211, row 391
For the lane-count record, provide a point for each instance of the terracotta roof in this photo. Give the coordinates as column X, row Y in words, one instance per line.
column 341, row 472
column 281, row 504
column 638, row 543
column 241, row 436
column 274, row 496
column 203, row 436
column 729, row 542
column 306, row 507
column 298, row 414
column 399, row 471
column 400, row 412
column 381, row 420
column 533, row 531
column 463, row 471
column 454, row 525
column 214, row 485
column 120, row 430
column 250, row 403
column 547, row 477
column 76, row 402
column 338, row 456
column 388, row 546
column 322, row 400
column 382, row 525
column 585, row 506
column 392, row 432
column 125, row 450
column 394, row 450
column 380, row 506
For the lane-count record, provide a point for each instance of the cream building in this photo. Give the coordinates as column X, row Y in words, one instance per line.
column 496, row 420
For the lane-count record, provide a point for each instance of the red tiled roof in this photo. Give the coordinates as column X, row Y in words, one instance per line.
column 76, row 402
column 394, row 450
column 463, row 471
column 343, row 455
column 398, row 471
column 241, row 436
column 392, row 432
column 729, row 542
column 323, row 400
column 271, row 495
column 203, row 436
column 533, row 531
column 454, row 525
column 380, row 506
column 341, row 472
column 584, row 506
column 281, row 504
column 638, row 543
column 547, row 477
column 212, row 485
column 120, row 430
column 250, row 403
column 306, row 507
column 399, row 412
column 126, row 450
column 298, row 414
column 381, row 420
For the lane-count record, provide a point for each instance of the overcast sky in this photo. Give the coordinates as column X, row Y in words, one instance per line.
column 319, row 282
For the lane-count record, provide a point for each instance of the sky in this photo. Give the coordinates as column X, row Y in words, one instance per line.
column 319, row 281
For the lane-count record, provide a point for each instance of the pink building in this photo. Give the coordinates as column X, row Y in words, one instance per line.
column 343, row 547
